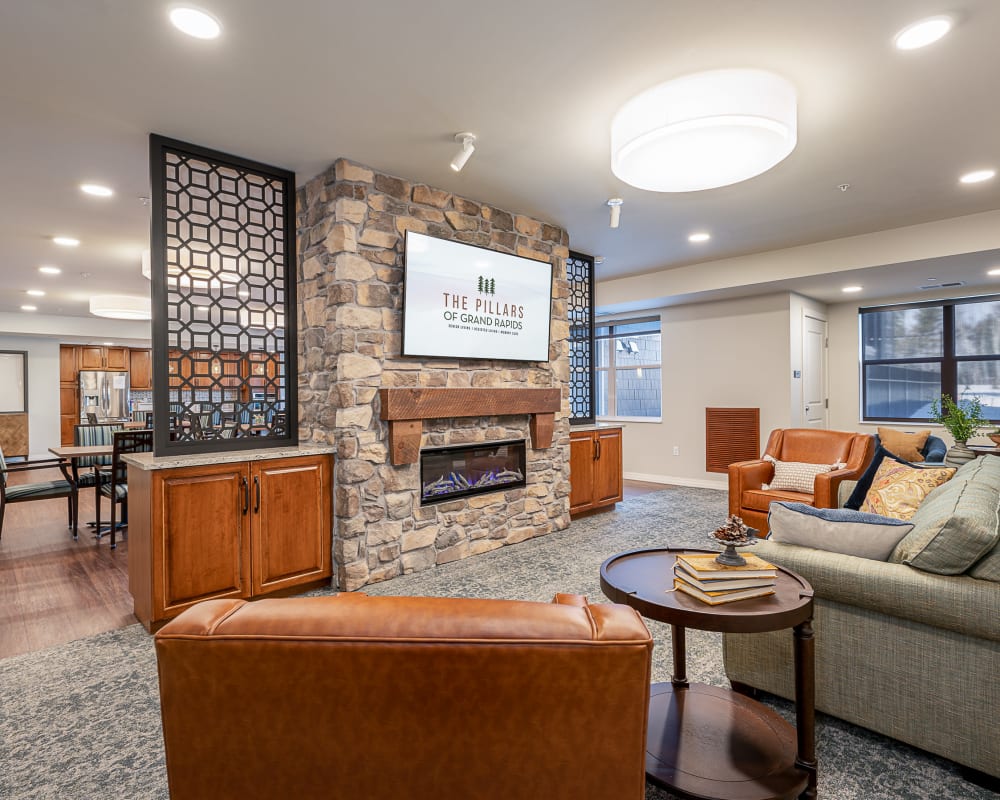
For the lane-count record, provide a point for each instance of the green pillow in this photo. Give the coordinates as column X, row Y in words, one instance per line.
column 957, row 523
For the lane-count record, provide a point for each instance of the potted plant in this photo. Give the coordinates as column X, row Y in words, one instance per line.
column 961, row 419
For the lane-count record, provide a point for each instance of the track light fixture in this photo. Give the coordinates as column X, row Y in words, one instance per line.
column 468, row 142
column 616, row 210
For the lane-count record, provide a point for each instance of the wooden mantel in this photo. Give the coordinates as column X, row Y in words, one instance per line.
column 405, row 410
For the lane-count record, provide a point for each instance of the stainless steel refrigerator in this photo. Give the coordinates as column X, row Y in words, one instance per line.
column 104, row 394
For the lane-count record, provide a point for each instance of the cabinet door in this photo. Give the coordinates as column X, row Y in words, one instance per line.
column 116, row 358
column 608, row 467
column 140, row 369
column 67, row 363
column 91, row 357
column 68, row 401
column 66, row 424
column 582, row 450
column 201, row 541
column 292, row 522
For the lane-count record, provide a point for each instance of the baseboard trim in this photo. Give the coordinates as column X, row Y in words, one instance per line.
column 694, row 483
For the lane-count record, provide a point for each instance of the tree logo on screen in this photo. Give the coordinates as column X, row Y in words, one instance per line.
column 487, row 285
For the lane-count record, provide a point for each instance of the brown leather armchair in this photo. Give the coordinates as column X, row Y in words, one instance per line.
column 418, row 697
column 750, row 501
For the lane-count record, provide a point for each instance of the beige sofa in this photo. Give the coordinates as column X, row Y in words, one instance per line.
column 904, row 652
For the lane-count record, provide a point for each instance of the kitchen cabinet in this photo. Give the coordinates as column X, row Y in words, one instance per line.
column 140, row 369
column 67, row 363
column 108, row 358
column 595, row 463
column 242, row 529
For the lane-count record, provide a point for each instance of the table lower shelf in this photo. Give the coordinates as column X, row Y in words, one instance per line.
column 707, row 742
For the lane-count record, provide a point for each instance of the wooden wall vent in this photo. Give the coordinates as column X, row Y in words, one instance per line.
column 731, row 435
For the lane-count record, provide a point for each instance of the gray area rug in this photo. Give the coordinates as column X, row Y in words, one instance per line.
column 81, row 721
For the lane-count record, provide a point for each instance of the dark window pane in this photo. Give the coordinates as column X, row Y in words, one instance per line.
column 901, row 391
column 981, row 379
column 637, row 392
column 907, row 333
column 977, row 329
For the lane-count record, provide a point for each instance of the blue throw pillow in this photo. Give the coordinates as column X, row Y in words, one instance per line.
column 837, row 530
column 865, row 481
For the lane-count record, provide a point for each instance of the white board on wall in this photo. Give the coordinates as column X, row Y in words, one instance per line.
column 13, row 373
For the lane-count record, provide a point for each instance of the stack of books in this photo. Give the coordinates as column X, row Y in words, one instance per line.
column 703, row 577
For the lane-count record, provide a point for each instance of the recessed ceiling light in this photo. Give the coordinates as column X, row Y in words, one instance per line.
column 852, row 289
column 50, row 270
column 922, row 33
column 701, row 236
column 995, row 271
column 195, row 22
column 65, row 241
column 108, row 344
column 96, row 190
column 29, row 308
column 35, row 292
column 978, row 176
column 598, row 259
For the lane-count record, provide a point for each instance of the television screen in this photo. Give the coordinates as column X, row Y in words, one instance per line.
column 461, row 301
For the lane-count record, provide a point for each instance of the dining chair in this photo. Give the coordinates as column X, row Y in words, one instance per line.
column 115, row 487
column 228, row 430
column 92, row 418
column 279, row 427
column 41, row 490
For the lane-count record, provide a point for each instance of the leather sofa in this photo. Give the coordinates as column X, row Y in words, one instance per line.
column 384, row 698
column 749, row 500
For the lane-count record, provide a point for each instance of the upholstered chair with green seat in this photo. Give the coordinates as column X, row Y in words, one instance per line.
column 41, row 490
column 90, row 436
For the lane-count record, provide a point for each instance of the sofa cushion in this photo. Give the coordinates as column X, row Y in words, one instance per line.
column 957, row 524
column 796, row 476
column 761, row 499
column 904, row 444
column 898, row 489
column 838, row 530
column 865, row 481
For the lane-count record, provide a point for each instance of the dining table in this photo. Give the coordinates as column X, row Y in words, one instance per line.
column 73, row 453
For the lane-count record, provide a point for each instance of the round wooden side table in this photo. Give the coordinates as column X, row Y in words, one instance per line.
column 707, row 742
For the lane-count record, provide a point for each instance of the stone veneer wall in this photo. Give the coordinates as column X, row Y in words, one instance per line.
column 351, row 224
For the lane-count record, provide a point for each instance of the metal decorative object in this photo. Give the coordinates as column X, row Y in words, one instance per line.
column 223, row 272
column 580, row 308
column 734, row 533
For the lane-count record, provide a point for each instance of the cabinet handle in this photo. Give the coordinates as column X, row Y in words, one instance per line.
column 597, row 449
column 246, row 495
column 256, row 493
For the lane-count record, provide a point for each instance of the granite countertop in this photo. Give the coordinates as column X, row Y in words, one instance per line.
column 147, row 461
column 595, row 426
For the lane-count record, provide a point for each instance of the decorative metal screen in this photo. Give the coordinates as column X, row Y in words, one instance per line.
column 580, row 274
column 224, row 343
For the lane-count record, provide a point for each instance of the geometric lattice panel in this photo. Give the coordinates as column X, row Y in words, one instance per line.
column 226, row 279
column 580, row 306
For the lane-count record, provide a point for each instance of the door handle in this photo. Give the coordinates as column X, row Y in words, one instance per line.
column 256, row 493
column 246, row 495
column 597, row 449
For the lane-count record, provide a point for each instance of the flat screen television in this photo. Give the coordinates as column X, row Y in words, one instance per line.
column 462, row 301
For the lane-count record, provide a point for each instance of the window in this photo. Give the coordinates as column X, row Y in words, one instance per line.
column 628, row 368
column 912, row 354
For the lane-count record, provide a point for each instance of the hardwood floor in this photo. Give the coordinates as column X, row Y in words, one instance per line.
column 54, row 589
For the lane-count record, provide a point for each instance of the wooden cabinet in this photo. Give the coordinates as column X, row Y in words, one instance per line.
column 69, row 392
column 595, row 463
column 140, row 369
column 67, row 363
column 116, row 358
column 94, row 357
column 227, row 530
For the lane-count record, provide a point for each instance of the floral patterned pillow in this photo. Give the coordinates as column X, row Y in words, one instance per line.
column 898, row 489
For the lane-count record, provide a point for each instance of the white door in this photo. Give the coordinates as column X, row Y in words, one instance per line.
column 814, row 372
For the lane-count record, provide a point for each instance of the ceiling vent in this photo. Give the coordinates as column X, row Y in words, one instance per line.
column 949, row 285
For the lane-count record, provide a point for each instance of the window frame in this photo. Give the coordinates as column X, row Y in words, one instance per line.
column 948, row 360
column 611, row 369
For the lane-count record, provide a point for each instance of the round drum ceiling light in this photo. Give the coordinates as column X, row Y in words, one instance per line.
column 195, row 22
column 704, row 130
column 120, row 306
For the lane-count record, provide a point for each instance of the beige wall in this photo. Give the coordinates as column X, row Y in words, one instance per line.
column 729, row 353
column 845, row 370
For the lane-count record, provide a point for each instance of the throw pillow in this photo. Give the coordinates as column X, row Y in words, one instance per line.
column 904, row 444
column 865, row 481
column 897, row 489
column 796, row 476
column 838, row 530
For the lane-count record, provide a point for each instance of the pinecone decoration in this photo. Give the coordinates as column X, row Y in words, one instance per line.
column 734, row 531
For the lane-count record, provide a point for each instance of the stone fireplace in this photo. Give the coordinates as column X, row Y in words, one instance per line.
column 351, row 224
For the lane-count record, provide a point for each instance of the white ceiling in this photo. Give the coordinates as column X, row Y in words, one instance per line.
column 299, row 83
